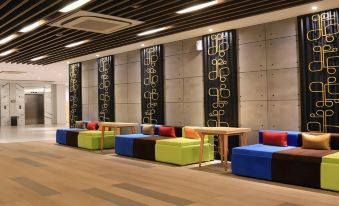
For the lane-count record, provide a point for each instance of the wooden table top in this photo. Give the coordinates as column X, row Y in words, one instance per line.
column 118, row 124
column 222, row 130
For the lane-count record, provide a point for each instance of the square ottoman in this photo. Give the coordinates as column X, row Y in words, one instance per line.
column 330, row 172
column 182, row 151
column 144, row 148
column 72, row 138
column 124, row 143
column 299, row 166
column 254, row 160
column 92, row 139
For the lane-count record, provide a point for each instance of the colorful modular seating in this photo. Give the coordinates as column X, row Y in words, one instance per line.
column 86, row 136
column 292, row 164
column 174, row 148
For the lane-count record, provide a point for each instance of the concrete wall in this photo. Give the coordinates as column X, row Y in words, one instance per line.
column 89, row 90
column 269, row 74
column 268, row 81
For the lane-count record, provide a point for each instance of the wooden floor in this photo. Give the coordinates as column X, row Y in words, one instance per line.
column 47, row 174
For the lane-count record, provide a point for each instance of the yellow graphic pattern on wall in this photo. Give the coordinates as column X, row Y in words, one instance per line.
column 219, row 72
column 326, row 61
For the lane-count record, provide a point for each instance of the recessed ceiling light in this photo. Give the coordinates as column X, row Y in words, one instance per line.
column 314, row 8
column 152, row 31
column 77, row 43
column 210, row 30
column 142, row 45
column 8, row 39
column 74, row 5
column 199, row 6
column 32, row 26
column 38, row 58
column 68, row 62
column 97, row 55
column 7, row 52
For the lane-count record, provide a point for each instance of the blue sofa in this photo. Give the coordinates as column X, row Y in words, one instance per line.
column 256, row 160
column 62, row 133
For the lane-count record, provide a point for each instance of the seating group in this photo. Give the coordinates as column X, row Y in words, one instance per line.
column 293, row 163
column 86, row 135
column 166, row 144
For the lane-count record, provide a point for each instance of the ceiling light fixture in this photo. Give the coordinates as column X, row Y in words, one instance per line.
column 73, row 6
column 7, row 52
column 33, row 26
column 76, row 43
column 152, row 31
column 199, row 6
column 8, row 39
column 210, row 30
column 38, row 58
column 97, row 55
column 314, row 8
column 68, row 62
column 142, row 45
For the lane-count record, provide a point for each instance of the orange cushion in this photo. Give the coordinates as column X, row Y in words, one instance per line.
column 191, row 133
column 320, row 142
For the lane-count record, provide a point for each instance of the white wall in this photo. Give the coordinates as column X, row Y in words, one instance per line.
column 58, row 103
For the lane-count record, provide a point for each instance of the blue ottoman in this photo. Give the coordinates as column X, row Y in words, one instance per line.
column 124, row 143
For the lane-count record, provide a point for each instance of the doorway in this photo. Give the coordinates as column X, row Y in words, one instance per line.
column 34, row 109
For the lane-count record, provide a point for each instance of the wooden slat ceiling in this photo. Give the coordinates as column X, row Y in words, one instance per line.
column 51, row 41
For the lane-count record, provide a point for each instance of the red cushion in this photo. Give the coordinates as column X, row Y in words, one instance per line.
column 92, row 125
column 275, row 138
column 167, row 131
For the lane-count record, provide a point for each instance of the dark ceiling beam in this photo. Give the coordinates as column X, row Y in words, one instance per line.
column 264, row 8
column 121, row 34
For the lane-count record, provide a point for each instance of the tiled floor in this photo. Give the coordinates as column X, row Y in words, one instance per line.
column 44, row 173
column 27, row 133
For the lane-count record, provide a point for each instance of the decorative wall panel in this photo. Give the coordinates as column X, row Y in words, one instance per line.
column 75, row 101
column 319, row 60
column 220, row 81
column 152, row 85
column 106, row 88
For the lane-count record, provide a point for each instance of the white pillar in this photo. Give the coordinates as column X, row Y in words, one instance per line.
column 59, row 103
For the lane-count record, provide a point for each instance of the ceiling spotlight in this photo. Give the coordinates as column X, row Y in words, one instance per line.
column 76, row 43
column 199, row 6
column 7, row 52
column 152, row 31
column 32, row 26
column 210, row 30
column 38, row 58
column 97, row 55
column 8, row 39
column 74, row 5
column 68, row 62
column 142, row 45
column 314, row 8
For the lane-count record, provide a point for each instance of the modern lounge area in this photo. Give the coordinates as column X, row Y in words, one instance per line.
column 197, row 102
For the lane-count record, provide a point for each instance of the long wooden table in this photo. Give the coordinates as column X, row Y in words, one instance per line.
column 117, row 126
column 223, row 133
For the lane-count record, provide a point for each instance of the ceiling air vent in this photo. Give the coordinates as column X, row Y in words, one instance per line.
column 12, row 72
column 94, row 22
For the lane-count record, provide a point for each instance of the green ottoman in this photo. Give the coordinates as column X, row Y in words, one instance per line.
column 91, row 139
column 329, row 172
column 182, row 151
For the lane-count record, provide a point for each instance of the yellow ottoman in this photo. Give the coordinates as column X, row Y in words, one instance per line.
column 330, row 172
column 91, row 139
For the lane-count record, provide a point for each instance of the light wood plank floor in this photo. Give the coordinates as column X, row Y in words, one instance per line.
column 47, row 174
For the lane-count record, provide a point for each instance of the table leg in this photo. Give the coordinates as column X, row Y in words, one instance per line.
column 244, row 139
column 103, row 128
column 225, row 147
column 221, row 148
column 133, row 130
column 201, row 153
